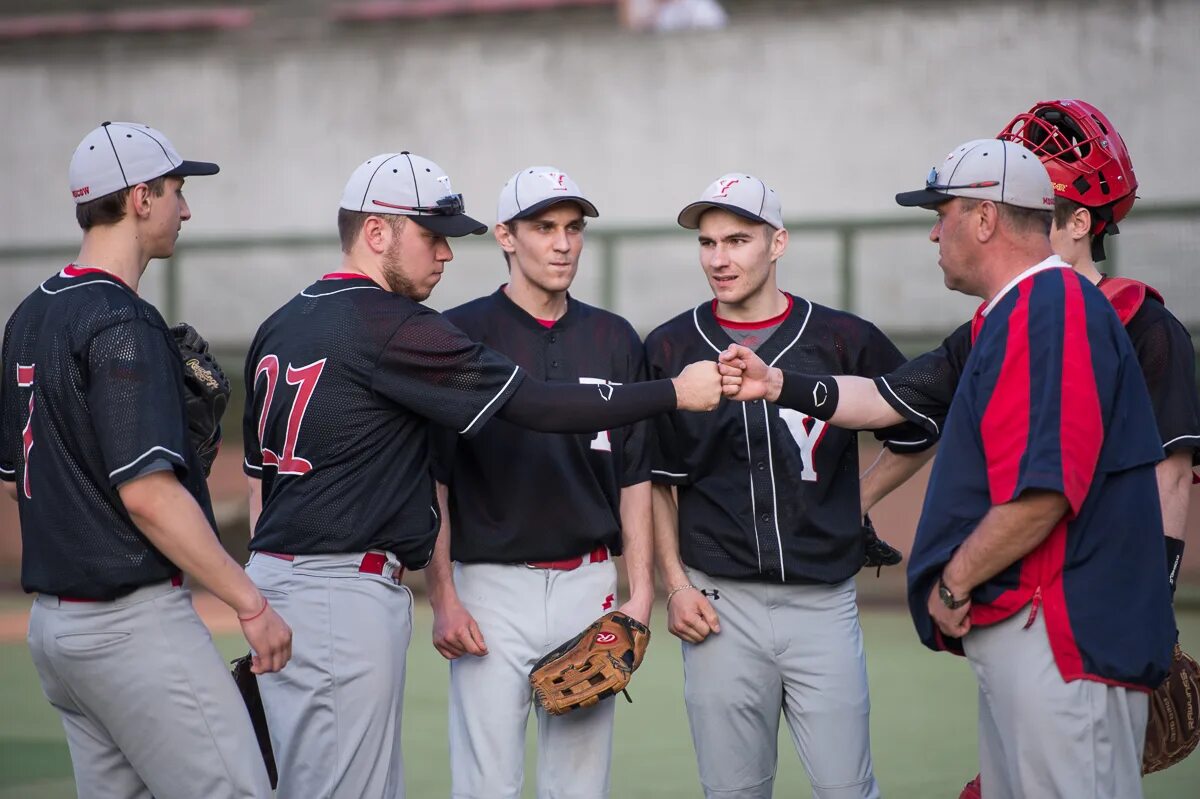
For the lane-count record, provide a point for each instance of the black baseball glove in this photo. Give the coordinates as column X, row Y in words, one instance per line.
column 879, row 553
column 206, row 390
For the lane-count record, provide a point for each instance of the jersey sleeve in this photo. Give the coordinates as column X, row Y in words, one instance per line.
column 434, row 369
column 1168, row 362
column 879, row 356
column 252, row 463
column 443, row 446
column 135, row 399
column 9, row 413
column 921, row 389
column 635, row 455
column 667, row 465
column 1041, row 426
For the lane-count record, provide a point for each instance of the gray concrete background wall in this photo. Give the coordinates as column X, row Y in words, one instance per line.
column 836, row 105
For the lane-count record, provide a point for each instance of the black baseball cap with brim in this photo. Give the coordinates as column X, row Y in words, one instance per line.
column 450, row 225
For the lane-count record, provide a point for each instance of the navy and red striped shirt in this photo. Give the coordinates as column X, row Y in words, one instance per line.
column 1052, row 398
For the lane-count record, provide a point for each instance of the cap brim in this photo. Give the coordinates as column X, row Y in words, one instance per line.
column 689, row 217
column 450, row 226
column 923, row 198
column 190, row 168
column 525, row 213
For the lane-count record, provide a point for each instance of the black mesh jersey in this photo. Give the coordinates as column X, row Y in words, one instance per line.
column 768, row 493
column 91, row 396
column 343, row 382
column 520, row 495
column 921, row 389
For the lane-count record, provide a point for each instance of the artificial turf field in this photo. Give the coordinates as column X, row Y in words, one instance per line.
column 922, row 723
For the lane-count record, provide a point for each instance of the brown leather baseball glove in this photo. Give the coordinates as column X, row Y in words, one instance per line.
column 1174, row 726
column 206, row 391
column 594, row 665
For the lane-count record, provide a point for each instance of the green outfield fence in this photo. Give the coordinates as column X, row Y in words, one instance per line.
column 605, row 242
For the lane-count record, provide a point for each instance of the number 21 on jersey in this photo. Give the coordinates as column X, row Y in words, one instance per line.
column 306, row 377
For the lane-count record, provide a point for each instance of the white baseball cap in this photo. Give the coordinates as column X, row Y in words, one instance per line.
column 987, row 169
column 738, row 193
column 118, row 155
column 538, row 187
column 409, row 185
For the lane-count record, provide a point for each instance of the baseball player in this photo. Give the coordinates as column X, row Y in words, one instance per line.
column 114, row 507
column 757, row 520
column 1094, row 184
column 1044, row 490
column 532, row 520
column 344, row 380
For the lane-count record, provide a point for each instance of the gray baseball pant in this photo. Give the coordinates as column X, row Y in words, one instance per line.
column 795, row 649
column 147, row 702
column 1040, row 736
column 334, row 711
column 524, row 613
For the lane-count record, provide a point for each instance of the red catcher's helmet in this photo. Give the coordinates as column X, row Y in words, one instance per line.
column 1084, row 154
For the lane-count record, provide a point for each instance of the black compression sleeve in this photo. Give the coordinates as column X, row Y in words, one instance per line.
column 571, row 408
column 815, row 395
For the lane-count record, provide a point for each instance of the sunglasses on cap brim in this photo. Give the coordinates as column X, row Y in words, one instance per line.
column 932, row 184
column 450, row 205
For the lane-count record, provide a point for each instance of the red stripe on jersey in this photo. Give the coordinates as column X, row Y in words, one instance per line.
column 1082, row 428
column 1049, row 558
column 345, row 276
column 71, row 270
column 546, row 323
column 1005, row 425
column 774, row 320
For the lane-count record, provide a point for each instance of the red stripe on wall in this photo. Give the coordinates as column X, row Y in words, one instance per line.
column 1082, row 430
column 1005, row 425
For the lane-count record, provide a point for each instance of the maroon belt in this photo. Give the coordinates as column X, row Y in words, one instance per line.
column 597, row 555
column 372, row 563
column 176, row 581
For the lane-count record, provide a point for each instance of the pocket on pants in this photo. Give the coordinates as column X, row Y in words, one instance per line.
column 91, row 642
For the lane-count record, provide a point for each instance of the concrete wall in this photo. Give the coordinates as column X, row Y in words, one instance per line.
column 837, row 105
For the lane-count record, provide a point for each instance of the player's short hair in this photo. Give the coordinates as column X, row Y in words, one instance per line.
column 1022, row 221
column 110, row 209
column 1064, row 209
column 350, row 223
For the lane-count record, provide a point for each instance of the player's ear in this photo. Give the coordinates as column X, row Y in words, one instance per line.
column 138, row 202
column 985, row 218
column 1080, row 224
column 779, row 242
column 504, row 237
column 376, row 234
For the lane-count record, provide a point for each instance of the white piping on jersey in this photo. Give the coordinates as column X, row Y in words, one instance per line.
column 774, row 495
column 81, row 285
column 668, row 474
column 911, row 408
column 791, row 343
column 1178, row 438
column 305, row 293
column 696, row 322
column 135, row 461
column 491, row 402
column 750, row 469
column 905, row 443
column 7, row 471
column 250, row 465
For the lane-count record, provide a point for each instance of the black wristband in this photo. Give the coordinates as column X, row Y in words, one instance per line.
column 815, row 395
column 1174, row 559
